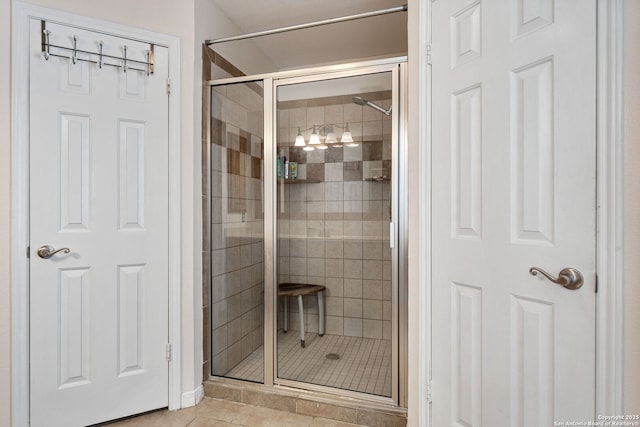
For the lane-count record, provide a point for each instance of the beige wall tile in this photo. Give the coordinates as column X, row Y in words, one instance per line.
column 353, row 288
column 352, row 268
column 353, row 308
column 372, row 309
column 372, row 328
column 334, row 306
column 352, row 327
column 372, row 289
column 334, row 325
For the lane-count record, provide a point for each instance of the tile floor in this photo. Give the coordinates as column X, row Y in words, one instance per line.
column 364, row 364
column 223, row 413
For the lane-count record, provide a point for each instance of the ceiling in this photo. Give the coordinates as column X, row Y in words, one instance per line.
column 380, row 36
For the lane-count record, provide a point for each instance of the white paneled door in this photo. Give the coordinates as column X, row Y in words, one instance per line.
column 513, row 188
column 99, row 187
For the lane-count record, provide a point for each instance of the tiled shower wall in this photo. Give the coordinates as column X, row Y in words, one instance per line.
column 334, row 219
column 236, row 219
column 213, row 66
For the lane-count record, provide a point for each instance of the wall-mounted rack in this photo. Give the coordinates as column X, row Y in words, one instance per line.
column 125, row 63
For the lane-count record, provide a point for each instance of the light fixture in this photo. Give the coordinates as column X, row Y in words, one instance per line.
column 322, row 137
column 346, row 136
column 314, row 138
column 299, row 139
column 331, row 137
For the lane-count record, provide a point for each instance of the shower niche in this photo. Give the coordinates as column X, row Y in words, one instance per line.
column 306, row 231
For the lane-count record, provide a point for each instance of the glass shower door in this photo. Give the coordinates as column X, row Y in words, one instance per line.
column 237, row 229
column 336, row 290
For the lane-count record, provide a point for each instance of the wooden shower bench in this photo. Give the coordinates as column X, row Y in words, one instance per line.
column 299, row 290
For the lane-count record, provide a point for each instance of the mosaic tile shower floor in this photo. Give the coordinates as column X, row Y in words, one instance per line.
column 364, row 364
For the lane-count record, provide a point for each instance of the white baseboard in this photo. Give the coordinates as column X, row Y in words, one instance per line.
column 192, row 398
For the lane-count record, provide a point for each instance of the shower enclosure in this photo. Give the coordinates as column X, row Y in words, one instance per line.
column 307, row 241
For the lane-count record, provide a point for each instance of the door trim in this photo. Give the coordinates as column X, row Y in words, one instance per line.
column 610, row 208
column 21, row 14
column 609, row 369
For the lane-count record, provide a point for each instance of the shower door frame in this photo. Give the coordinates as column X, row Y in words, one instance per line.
column 399, row 201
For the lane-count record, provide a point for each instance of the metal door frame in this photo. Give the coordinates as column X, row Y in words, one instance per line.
column 271, row 81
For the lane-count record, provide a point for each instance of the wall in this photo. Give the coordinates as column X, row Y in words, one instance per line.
column 212, row 23
column 632, row 206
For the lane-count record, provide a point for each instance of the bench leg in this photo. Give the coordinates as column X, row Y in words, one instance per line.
column 321, row 313
column 286, row 315
column 301, row 309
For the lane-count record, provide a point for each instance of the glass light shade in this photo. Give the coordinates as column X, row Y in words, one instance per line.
column 308, row 148
column 352, row 144
column 299, row 140
column 331, row 138
column 346, row 137
column 314, row 138
column 322, row 147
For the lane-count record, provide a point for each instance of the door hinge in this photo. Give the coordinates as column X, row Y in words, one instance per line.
column 429, row 57
column 28, row 251
column 168, row 352
column 168, row 86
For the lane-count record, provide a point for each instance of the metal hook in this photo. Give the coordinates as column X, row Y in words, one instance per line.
column 45, row 52
column 74, row 57
column 151, row 58
column 148, row 55
column 100, row 54
column 124, row 65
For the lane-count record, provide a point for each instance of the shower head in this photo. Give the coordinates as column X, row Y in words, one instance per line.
column 361, row 101
column 358, row 100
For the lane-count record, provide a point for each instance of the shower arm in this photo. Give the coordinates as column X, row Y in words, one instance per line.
column 358, row 100
column 379, row 108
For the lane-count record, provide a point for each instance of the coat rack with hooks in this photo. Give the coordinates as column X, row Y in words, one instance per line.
column 97, row 58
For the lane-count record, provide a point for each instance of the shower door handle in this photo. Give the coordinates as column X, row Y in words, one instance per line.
column 392, row 235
